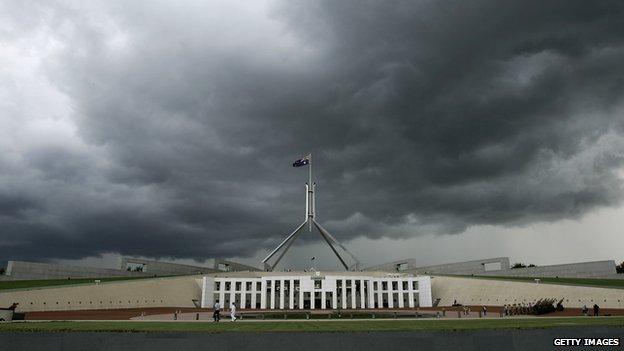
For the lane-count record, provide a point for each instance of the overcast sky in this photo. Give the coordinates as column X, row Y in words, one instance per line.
column 440, row 130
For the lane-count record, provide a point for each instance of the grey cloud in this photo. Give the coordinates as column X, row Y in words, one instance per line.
column 423, row 117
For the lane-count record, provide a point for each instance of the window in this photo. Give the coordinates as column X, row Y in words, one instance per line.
column 258, row 286
column 492, row 266
column 395, row 285
column 415, row 285
column 228, row 286
column 248, row 286
column 217, row 285
column 384, row 285
column 405, row 285
column 318, row 284
column 238, row 286
column 374, row 285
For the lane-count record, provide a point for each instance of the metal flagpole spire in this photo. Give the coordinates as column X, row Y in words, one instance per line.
column 310, row 216
column 335, row 246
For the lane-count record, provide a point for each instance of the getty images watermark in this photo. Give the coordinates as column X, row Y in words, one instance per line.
column 586, row 341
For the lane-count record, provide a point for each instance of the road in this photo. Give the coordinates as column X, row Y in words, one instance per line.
column 480, row 340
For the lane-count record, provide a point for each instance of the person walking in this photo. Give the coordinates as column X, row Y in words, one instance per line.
column 596, row 310
column 216, row 315
column 233, row 311
column 484, row 311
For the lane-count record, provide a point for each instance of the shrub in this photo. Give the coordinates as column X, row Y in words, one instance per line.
column 620, row 268
column 522, row 265
column 544, row 306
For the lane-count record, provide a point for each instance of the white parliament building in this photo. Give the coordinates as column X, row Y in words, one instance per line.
column 316, row 290
column 349, row 289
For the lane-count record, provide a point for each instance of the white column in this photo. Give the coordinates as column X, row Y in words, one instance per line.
column 344, row 293
column 400, row 287
column 362, row 297
column 380, row 293
column 353, row 293
column 411, row 292
column 232, row 294
column 312, row 298
column 335, row 295
column 243, row 293
column 222, row 294
column 281, row 305
column 322, row 300
column 254, row 292
column 390, row 296
column 371, row 295
column 232, row 290
column 300, row 295
column 273, row 294
column 291, row 294
column 263, row 286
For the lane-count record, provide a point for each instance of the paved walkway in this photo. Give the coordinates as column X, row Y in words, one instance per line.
column 207, row 316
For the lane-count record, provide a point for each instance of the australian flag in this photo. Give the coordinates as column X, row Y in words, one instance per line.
column 302, row 162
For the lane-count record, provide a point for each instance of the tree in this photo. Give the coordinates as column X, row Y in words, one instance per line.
column 2, row 270
column 620, row 268
column 522, row 265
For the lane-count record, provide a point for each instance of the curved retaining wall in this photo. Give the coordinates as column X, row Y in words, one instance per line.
column 157, row 292
column 491, row 292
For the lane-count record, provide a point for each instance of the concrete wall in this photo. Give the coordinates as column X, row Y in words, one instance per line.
column 165, row 268
column 230, row 266
column 476, row 267
column 491, row 292
column 207, row 297
column 20, row 270
column 156, row 292
column 596, row 269
column 395, row 266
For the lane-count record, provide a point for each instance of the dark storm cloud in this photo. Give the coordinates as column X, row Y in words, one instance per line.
column 423, row 117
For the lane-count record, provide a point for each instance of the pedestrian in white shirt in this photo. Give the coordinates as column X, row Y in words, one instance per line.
column 233, row 311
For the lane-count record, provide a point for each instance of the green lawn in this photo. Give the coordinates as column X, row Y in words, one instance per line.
column 313, row 326
column 27, row 284
column 604, row 283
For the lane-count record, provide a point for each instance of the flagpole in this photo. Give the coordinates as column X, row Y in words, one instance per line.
column 310, row 193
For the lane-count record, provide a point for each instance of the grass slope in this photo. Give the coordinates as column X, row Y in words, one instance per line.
column 311, row 326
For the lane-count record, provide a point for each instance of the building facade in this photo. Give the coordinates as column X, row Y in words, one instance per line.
column 317, row 290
